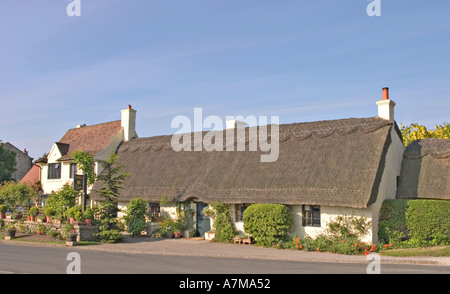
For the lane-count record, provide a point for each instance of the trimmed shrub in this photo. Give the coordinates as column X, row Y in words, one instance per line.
column 268, row 223
column 428, row 219
column 414, row 222
column 392, row 221
column 135, row 218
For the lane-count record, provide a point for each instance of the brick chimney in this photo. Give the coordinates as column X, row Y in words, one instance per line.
column 128, row 123
column 386, row 106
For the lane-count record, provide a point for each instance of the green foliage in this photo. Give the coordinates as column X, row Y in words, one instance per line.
column 135, row 218
column 16, row 194
column 429, row 219
column 85, row 161
column 33, row 211
column 108, row 224
column 88, row 213
column 49, row 210
column 268, row 223
column 111, row 180
column 416, row 132
column 75, row 212
column 185, row 216
column 392, row 221
column 223, row 227
column 3, row 208
column 61, row 201
column 7, row 163
column 415, row 223
column 342, row 235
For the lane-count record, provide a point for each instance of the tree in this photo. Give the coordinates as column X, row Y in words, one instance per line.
column 85, row 162
column 14, row 194
column 7, row 163
column 111, row 180
column 416, row 132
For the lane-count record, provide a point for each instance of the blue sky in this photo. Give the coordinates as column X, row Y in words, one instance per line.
column 300, row 60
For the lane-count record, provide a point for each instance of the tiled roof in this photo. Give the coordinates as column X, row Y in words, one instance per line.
column 92, row 139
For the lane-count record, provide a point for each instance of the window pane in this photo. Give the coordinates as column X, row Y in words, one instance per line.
column 73, row 169
column 54, row 171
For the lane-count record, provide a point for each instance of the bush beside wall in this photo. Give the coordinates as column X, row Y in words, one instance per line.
column 415, row 222
column 267, row 222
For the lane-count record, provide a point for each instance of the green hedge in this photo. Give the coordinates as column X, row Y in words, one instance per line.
column 267, row 222
column 415, row 222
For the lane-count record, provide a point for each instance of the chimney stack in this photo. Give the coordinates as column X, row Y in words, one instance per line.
column 128, row 123
column 386, row 106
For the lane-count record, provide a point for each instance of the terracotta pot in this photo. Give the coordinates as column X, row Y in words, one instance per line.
column 71, row 220
column 49, row 219
column 87, row 221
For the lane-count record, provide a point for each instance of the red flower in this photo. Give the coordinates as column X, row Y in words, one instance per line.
column 301, row 246
column 278, row 245
column 342, row 240
column 390, row 244
column 39, row 232
column 366, row 253
column 356, row 244
column 385, row 246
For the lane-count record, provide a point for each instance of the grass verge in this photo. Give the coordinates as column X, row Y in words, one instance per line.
column 435, row 251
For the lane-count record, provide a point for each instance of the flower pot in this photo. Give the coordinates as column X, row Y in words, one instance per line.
column 49, row 219
column 71, row 220
column 32, row 218
column 177, row 234
column 2, row 215
column 87, row 221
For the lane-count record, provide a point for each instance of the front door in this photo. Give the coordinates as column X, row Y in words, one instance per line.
column 203, row 221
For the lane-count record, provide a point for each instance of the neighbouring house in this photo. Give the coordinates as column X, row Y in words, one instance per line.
column 324, row 169
column 23, row 161
column 58, row 167
column 425, row 170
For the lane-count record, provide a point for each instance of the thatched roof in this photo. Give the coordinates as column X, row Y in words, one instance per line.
column 426, row 170
column 336, row 162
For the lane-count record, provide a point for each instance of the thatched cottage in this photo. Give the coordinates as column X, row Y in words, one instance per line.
column 425, row 170
column 324, row 169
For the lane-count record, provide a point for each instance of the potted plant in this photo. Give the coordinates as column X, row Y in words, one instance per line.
column 32, row 213
column 177, row 229
column 88, row 216
column 49, row 213
column 3, row 210
column 73, row 213
column 10, row 231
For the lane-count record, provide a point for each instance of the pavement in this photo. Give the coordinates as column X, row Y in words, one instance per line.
column 200, row 247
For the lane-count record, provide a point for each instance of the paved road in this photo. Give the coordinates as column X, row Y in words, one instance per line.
column 53, row 260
